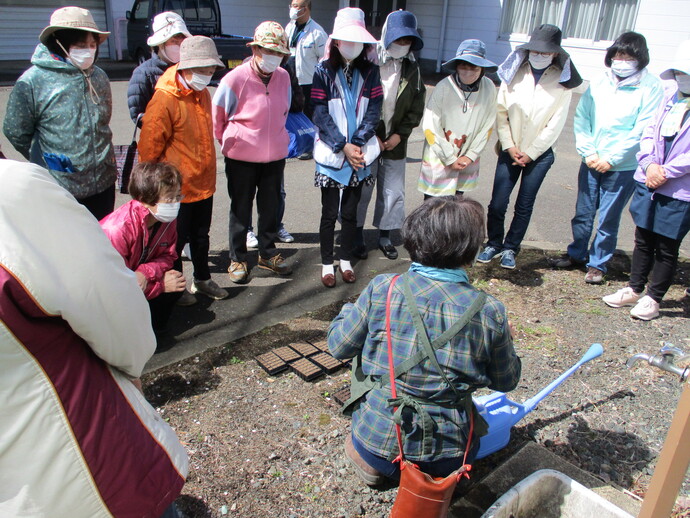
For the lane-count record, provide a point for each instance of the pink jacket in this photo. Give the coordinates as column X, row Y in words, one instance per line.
column 127, row 230
column 249, row 116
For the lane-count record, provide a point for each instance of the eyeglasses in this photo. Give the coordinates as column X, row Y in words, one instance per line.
column 176, row 199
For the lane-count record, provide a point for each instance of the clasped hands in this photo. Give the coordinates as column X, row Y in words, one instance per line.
column 519, row 158
column 597, row 164
column 655, row 176
column 172, row 281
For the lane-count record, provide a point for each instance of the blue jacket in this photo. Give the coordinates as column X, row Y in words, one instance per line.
column 51, row 110
column 143, row 84
column 611, row 116
column 330, row 115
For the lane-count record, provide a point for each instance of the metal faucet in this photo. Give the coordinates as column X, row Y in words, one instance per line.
column 665, row 360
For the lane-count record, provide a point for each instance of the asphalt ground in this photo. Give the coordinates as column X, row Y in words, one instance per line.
column 268, row 299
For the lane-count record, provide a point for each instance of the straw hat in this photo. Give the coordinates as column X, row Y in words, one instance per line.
column 72, row 18
column 197, row 52
column 271, row 36
column 165, row 26
column 349, row 26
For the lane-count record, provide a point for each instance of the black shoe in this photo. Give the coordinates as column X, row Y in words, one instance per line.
column 305, row 156
column 359, row 252
column 389, row 251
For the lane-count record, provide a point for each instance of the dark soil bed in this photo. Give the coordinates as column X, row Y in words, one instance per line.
column 264, row 446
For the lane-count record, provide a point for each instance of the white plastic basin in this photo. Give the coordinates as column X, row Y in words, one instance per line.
column 551, row 494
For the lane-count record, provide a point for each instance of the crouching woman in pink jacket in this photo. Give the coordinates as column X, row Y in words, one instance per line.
column 144, row 232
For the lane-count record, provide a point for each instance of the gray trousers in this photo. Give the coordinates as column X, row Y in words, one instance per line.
column 389, row 207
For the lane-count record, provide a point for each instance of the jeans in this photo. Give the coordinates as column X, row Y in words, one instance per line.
column 608, row 193
column 436, row 468
column 245, row 180
column 507, row 175
column 655, row 254
column 330, row 201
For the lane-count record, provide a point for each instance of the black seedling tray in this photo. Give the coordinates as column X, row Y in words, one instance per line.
column 327, row 362
column 342, row 395
column 306, row 369
column 304, row 348
column 287, row 354
column 271, row 363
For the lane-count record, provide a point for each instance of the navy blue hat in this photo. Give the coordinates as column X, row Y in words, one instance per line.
column 402, row 24
column 473, row 52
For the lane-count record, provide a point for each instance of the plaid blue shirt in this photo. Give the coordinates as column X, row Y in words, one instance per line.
column 480, row 355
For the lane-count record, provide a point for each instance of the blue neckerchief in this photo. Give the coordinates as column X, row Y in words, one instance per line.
column 343, row 175
column 441, row 274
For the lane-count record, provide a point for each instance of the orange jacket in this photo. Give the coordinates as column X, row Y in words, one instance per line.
column 177, row 128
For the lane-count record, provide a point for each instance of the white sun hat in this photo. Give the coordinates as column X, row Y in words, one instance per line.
column 165, row 25
column 349, row 26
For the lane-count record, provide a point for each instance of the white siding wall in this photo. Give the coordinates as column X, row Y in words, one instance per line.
column 21, row 26
column 665, row 23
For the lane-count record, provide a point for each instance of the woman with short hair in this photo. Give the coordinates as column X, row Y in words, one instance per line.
column 660, row 206
column 58, row 112
column 609, row 121
column 442, row 236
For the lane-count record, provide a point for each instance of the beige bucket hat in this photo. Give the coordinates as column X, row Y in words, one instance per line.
column 72, row 18
column 198, row 51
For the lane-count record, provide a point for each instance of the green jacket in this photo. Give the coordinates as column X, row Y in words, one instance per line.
column 50, row 110
column 409, row 109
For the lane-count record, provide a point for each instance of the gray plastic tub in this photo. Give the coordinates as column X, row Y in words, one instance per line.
column 551, row 494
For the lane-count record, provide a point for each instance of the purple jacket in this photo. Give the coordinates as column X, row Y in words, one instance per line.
column 677, row 163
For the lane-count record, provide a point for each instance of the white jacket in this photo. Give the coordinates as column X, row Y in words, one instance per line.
column 309, row 50
column 77, row 438
column 531, row 116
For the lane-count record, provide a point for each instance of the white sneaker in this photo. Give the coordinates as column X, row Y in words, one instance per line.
column 623, row 297
column 646, row 309
column 252, row 241
column 285, row 236
column 209, row 288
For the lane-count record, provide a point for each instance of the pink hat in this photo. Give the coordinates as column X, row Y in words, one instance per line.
column 349, row 26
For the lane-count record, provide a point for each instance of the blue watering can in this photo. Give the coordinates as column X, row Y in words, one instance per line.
column 502, row 414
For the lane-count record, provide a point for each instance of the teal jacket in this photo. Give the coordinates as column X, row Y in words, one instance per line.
column 611, row 116
column 50, row 110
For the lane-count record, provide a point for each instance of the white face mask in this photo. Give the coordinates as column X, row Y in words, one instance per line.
column 398, row 51
column 623, row 68
column 170, row 53
column 166, row 212
column 82, row 58
column 538, row 61
column 683, row 82
column 295, row 12
column 349, row 50
column 199, row 81
column 469, row 77
column 269, row 63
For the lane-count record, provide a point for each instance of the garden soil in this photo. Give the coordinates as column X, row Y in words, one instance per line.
column 272, row 446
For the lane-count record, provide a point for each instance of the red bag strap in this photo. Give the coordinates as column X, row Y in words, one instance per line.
column 463, row 471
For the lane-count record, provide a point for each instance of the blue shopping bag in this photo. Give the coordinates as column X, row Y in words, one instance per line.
column 302, row 132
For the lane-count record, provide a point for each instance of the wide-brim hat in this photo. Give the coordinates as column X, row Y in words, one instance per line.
column 270, row 35
column 473, row 52
column 545, row 38
column 349, row 26
column 197, row 52
column 165, row 25
column 72, row 18
column 402, row 24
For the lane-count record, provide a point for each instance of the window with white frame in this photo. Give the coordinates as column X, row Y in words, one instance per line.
column 593, row 20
